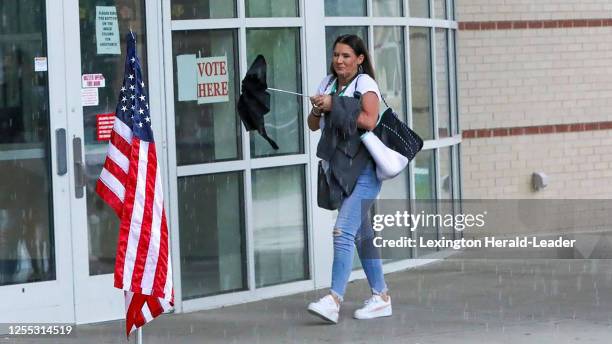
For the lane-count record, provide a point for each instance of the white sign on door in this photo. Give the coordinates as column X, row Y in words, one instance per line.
column 212, row 81
column 90, row 97
column 107, row 30
column 187, row 77
column 40, row 64
column 92, row 80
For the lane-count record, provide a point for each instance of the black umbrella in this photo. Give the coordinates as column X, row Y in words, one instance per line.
column 254, row 101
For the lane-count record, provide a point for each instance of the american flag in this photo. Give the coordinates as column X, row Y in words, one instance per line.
column 130, row 183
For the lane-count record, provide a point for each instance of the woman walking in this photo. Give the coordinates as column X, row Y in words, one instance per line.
column 351, row 75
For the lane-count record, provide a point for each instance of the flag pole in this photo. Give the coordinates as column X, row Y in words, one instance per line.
column 139, row 336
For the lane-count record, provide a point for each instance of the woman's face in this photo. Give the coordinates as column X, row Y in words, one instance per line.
column 345, row 61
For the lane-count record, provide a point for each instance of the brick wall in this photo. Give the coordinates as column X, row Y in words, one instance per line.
column 537, row 76
column 528, row 68
column 479, row 10
column 579, row 165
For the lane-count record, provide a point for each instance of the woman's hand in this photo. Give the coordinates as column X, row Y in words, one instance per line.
column 323, row 102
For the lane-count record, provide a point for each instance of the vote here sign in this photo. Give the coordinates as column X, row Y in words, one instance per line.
column 212, row 79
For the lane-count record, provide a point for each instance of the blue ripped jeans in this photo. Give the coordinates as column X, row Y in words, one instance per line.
column 351, row 230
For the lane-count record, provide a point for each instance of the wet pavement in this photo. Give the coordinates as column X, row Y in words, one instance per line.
column 448, row 301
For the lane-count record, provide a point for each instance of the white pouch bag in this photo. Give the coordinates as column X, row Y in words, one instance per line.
column 389, row 163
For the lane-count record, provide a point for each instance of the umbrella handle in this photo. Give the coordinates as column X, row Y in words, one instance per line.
column 297, row 94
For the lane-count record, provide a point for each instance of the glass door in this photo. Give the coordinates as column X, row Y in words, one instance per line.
column 35, row 248
column 96, row 70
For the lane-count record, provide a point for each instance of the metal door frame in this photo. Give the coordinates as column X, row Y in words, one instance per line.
column 95, row 297
column 50, row 301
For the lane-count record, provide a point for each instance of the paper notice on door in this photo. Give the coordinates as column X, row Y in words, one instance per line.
column 212, row 79
column 107, row 31
column 186, row 77
column 40, row 64
column 93, row 80
column 89, row 97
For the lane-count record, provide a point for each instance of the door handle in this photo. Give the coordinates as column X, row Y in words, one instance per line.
column 60, row 149
column 79, row 168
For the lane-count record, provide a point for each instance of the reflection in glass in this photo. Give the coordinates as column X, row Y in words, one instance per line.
column 203, row 9
column 446, row 177
column 211, row 221
column 390, row 76
column 453, row 97
column 457, row 171
column 390, row 67
column 446, row 188
column 279, row 228
column 425, row 175
column 425, row 192
column 418, row 8
column 271, row 8
column 440, row 9
column 442, row 83
column 390, row 203
column 281, row 48
column 333, row 32
column 345, row 8
column 27, row 249
column 211, row 131
column 387, row 8
column 397, row 188
column 420, row 74
column 102, row 221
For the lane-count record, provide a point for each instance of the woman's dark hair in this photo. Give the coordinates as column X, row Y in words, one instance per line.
column 359, row 48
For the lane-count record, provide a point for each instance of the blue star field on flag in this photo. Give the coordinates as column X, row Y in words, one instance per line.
column 133, row 106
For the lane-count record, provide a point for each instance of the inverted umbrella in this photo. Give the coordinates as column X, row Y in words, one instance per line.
column 254, row 101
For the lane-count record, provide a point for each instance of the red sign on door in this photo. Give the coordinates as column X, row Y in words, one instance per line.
column 104, row 126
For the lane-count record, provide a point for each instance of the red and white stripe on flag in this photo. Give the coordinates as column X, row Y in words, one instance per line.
column 130, row 183
column 142, row 308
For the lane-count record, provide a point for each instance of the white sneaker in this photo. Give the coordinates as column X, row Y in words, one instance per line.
column 326, row 308
column 374, row 307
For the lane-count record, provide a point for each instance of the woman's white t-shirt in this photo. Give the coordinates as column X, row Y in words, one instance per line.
column 364, row 84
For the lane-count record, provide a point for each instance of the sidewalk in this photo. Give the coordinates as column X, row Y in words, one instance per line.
column 452, row 301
